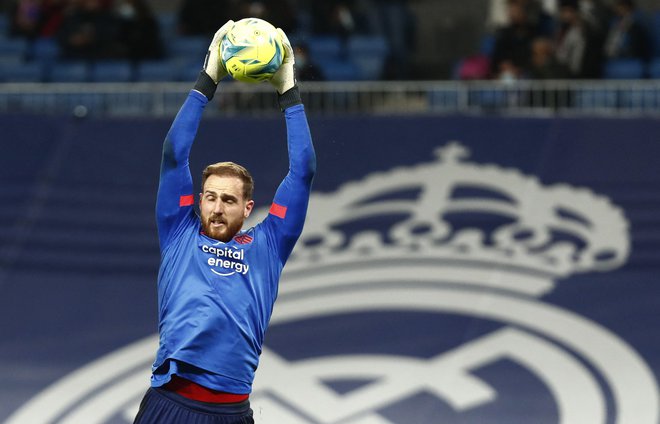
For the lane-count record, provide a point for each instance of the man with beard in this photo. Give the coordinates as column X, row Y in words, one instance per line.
column 217, row 284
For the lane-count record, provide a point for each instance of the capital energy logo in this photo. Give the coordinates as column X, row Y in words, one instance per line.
column 225, row 261
column 415, row 296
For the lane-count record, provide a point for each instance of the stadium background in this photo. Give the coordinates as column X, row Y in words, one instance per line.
column 79, row 251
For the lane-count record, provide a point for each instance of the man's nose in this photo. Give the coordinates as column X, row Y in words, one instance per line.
column 218, row 208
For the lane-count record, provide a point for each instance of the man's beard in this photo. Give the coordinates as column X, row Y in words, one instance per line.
column 224, row 233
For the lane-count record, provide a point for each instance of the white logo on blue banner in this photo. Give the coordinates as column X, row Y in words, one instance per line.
column 393, row 261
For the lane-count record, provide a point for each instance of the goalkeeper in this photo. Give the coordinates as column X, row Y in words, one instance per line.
column 217, row 284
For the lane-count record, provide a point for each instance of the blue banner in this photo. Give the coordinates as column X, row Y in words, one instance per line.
column 451, row 270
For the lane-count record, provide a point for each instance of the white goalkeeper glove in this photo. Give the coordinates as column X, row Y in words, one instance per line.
column 212, row 64
column 284, row 79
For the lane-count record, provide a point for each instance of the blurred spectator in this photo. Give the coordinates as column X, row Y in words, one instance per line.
column 511, row 53
column 544, row 64
column 539, row 18
column 306, row 70
column 578, row 46
column 337, row 17
column 474, row 67
column 25, row 18
column 497, row 14
column 204, row 17
column 138, row 29
column 52, row 15
column 597, row 15
column 627, row 36
column 35, row 18
column 538, row 12
column 396, row 23
column 89, row 30
column 278, row 12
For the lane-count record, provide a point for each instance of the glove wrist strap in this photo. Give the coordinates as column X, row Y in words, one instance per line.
column 289, row 98
column 205, row 85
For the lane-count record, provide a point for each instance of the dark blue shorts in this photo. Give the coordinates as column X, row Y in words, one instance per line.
column 160, row 406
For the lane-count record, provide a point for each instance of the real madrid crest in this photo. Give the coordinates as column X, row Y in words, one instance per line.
column 450, row 257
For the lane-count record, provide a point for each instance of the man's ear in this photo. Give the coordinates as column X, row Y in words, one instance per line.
column 248, row 208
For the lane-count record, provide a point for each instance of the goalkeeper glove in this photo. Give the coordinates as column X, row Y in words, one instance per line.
column 213, row 71
column 212, row 64
column 284, row 79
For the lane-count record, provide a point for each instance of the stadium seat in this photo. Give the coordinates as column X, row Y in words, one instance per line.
column 623, row 69
column 340, row 70
column 22, row 72
column 188, row 70
column 364, row 44
column 111, row 71
column 10, row 60
column 368, row 53
column 14, row 46
column 153, row 71
column 324, row 48
column 69, row 72
column 654, row 68
column 45, row 50
column 188, row 47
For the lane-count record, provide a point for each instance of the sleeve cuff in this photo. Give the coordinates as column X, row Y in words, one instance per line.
column 289, row 98
column 205, row 85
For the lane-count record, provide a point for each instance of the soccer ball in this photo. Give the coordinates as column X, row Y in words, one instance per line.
column 252, row 50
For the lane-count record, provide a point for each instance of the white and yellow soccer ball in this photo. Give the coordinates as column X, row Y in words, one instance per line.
column 252, row 50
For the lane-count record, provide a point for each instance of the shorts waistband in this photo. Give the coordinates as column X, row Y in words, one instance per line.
column 194, row 391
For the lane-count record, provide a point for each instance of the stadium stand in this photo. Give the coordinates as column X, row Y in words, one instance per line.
column 655, row 32
column 21, row 72
column 368, row 53
column 44, row 50
column 14, row 48
column 624, row 69
column 157, row 70
column 70, row 71
column 654, row 68
column 111, row 71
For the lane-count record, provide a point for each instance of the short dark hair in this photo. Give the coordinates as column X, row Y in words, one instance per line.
column 231, row 169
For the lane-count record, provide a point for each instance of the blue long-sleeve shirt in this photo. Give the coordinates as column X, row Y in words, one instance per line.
column 215, row 298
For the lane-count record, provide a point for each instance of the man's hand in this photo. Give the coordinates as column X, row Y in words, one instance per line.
column 212, row 65
column 284, row 79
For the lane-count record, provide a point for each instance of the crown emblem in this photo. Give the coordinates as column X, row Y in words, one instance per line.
column 451, row 211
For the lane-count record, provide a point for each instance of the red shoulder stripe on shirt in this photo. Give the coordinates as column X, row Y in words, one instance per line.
column 278, row 210
column 187, row 200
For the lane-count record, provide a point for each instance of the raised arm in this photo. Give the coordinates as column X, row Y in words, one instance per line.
column 287, row 213
column 175, row 191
